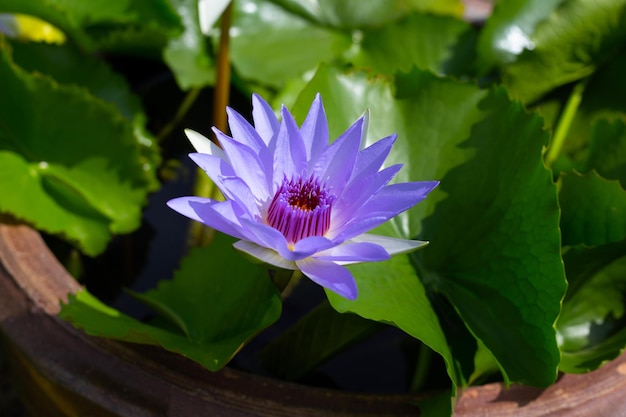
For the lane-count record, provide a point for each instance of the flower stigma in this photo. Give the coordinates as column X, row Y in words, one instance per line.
column 300, row 208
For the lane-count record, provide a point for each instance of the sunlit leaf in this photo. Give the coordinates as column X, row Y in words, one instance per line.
column 187, row 55
column 265, row 33
column 442, row 44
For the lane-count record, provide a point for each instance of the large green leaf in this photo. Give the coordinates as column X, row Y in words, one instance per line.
column 72, row 169
column 499, row 262
column 216, row 301
column 67, row 65
column 187, row 55
column 493, row 225
column 271, row 45
column 593, row 210
column 570, row 44
column 117, row 24
column 444, row 45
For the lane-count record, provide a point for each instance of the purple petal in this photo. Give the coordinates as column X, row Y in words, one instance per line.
column 357, row 193
column 243, row 132
column 202, row 144
column 234, row 188
column 218, row 215
column 370, row 159
column 315, row 130
column 267, row 236
column 392, row 245
column 216, row 168
column 265, row 121
column 247, row 166
column 396, row 198
column 329, row 275
column 335, row 164
column 357, row 227
column 290, row 154
column 309, row 246
column 389, row 202
column 264, row 254
column 352, row 252
column 223, row 175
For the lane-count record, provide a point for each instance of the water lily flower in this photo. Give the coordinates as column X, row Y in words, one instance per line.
column 297, row 202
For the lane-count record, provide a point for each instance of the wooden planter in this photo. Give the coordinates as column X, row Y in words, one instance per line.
column 60, row 371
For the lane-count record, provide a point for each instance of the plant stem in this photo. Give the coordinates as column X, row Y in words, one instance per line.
column 184, row 107
column 285, row 280
column 423, row 365
column 565, row 122
column 222, row 82
column 202, row 235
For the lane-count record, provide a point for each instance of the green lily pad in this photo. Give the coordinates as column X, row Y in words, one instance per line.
column 442, row 44
column 74, row 170
column 187, row 54
column 264, row 32
column 214, row 303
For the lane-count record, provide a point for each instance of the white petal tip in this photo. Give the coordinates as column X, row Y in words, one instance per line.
column 200, row 142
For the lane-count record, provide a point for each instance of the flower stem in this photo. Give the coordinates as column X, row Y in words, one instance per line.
column 222, row 82
column 184, row 107
column 285, row 280
column 202, row 235
column 565, row 122
column 423, row 366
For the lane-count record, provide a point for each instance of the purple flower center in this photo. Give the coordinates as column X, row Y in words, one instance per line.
column 300, row 208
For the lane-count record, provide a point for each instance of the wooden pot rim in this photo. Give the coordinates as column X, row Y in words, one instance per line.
column 119, row 379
